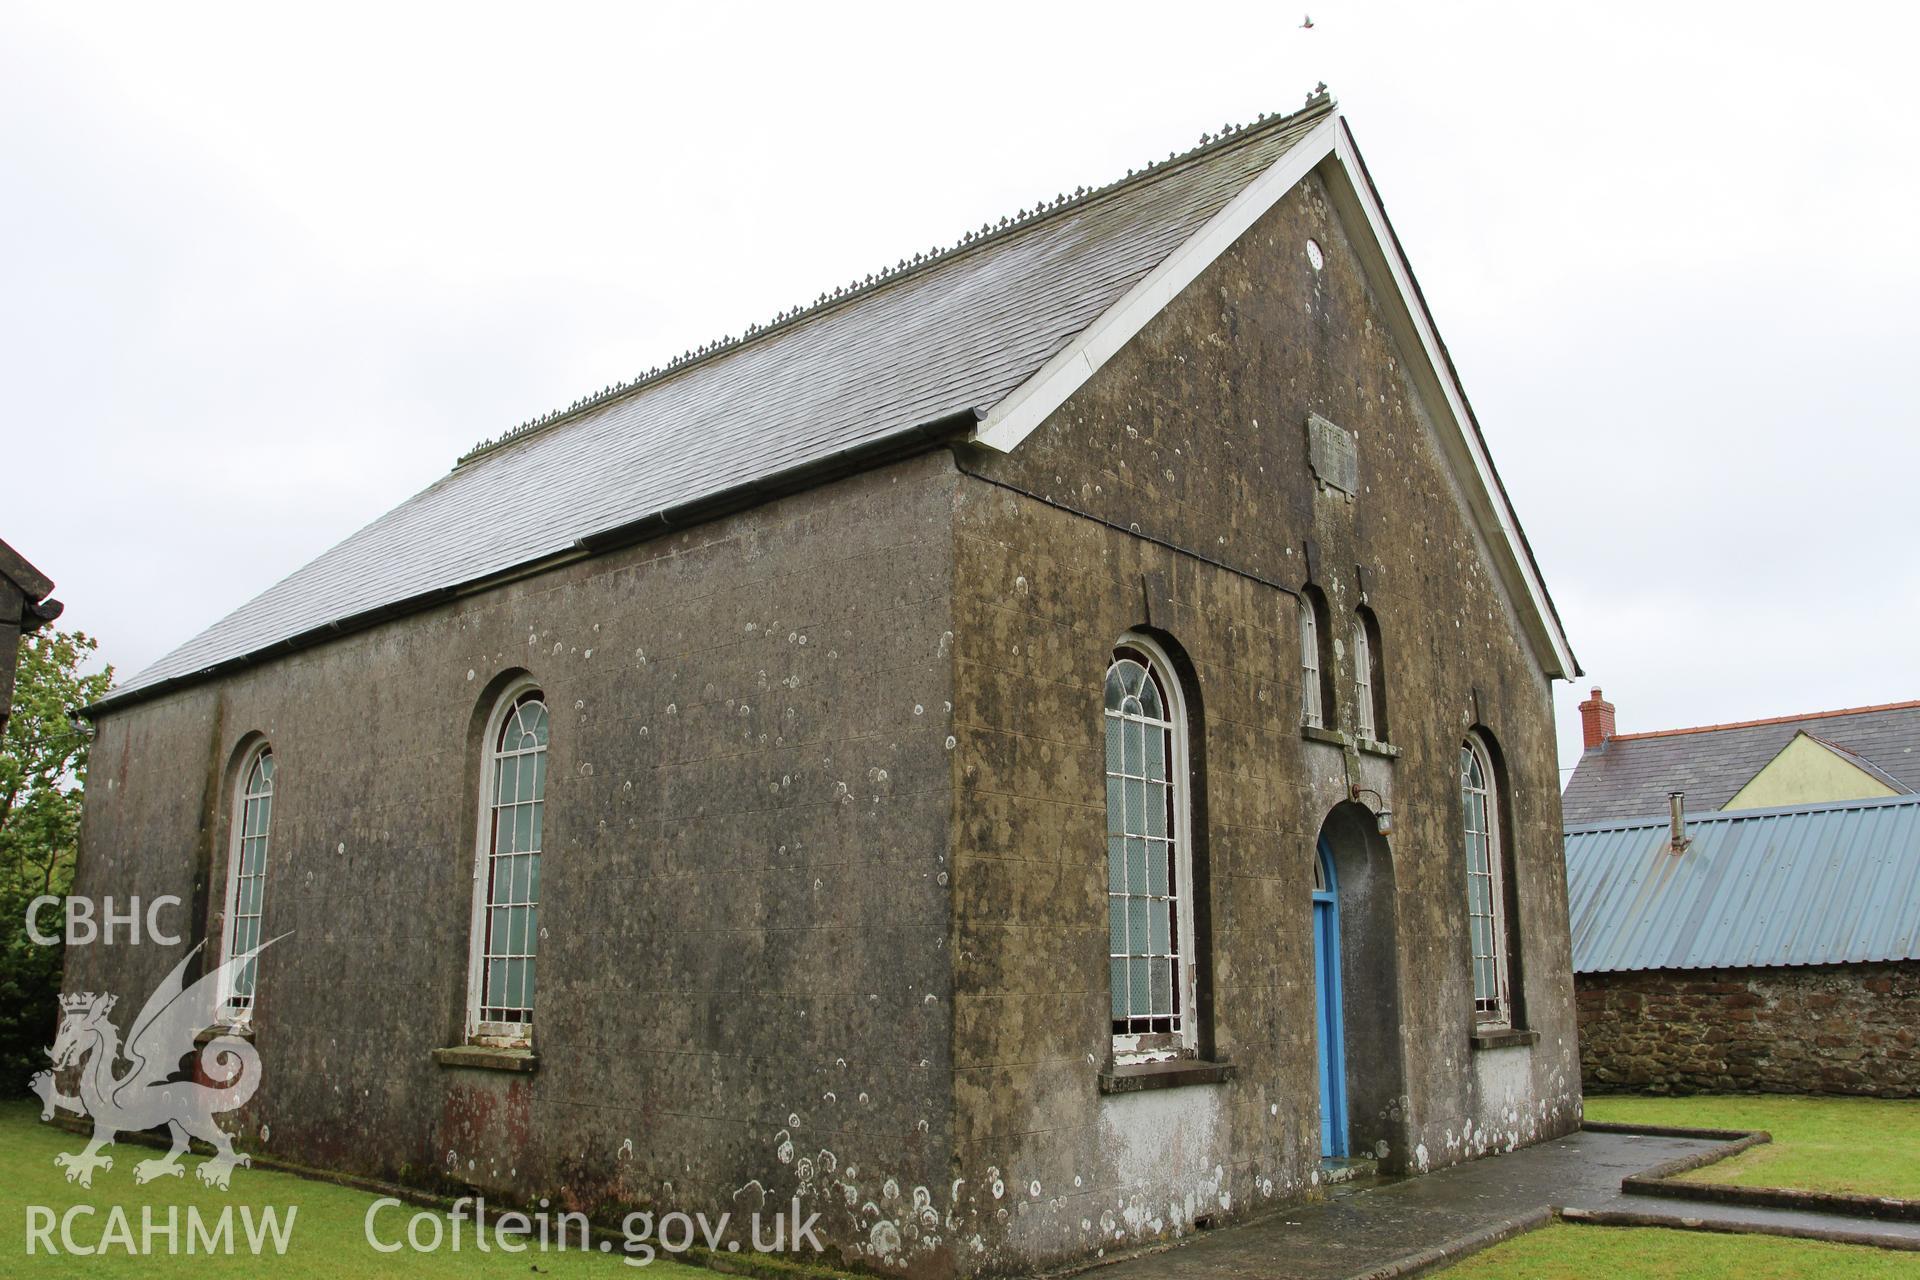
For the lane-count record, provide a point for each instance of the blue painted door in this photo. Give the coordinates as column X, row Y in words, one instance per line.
column 1327, row 1026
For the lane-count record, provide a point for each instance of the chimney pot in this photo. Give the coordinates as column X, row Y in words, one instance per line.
column 1596, row 721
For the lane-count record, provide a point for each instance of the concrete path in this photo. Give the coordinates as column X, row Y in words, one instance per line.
column 1408, row 1226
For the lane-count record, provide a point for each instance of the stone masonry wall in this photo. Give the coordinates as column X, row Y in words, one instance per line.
column 1849, row 1029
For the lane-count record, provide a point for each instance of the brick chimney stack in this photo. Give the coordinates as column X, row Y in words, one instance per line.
column 1596, row 720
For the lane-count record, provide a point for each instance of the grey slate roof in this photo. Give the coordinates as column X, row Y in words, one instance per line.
column 924, row 344
column 1819, row 884
column 1630, row 776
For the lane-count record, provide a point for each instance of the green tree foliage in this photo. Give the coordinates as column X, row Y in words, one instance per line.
column 43, row 772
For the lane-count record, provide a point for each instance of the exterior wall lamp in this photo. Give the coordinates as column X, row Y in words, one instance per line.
column 1382, row 816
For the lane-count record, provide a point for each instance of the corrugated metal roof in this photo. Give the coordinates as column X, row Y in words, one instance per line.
column 929, row 342
column 1629, row 777
column 1817, row 884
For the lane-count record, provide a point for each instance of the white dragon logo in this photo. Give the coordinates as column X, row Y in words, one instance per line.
column 148, row 1095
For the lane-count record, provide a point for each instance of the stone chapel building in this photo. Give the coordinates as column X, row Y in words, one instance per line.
column 1046, row 747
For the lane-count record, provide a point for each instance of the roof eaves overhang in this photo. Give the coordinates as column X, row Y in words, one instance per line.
column 1330, row 149
column 32, row 583
column 34, row 589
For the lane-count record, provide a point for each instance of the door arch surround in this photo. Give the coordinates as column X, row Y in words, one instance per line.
column 1370, row 1056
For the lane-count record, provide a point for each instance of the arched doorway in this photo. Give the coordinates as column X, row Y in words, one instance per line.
column 1328, row 1023
column 1356, row 962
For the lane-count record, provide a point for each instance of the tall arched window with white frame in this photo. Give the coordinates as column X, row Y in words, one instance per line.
column 1312, row 707
column 1150, row 929
column 506, row 898
column 1370, row 675
column 1316, row 659
column 1486, row 884
column 1363, row 681
column 1312, row 713
column 247, row 884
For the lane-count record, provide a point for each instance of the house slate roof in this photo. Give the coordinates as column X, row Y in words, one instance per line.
column 1629, row 775
column 1814, row 884
column 914, row 355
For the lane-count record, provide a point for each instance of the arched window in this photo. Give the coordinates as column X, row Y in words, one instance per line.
column 1362, row 681
column 1486, row 884
column 247, row 883
column 506, row 908
column 1369, row 679
column 1149, row 858
column 1316, row 659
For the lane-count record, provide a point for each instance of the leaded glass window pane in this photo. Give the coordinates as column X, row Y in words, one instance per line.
column 246, row 884
column 1363, row 681
column 1311, row 712
column 512, row 864
column 1485, row 903
column 1145, row 874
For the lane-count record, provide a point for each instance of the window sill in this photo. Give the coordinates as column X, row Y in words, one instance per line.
column 1134, row 1077
column 232, row 1030
column 1373, row 748
column 487, row 1058
column 1504, row 1038
column 1314, row 733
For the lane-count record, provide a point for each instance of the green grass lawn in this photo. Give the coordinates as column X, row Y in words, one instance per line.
column 1869, row 1146
column 327, row 1239
column 1568, row 1252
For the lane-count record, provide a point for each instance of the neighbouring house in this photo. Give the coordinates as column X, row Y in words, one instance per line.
column 1854, row 754
column 1037, row 750
column 1745, row 903
column 25, row 607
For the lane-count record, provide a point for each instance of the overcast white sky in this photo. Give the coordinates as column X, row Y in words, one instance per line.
column 263, row 275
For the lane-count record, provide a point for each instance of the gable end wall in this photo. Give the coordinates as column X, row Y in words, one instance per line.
column 1174, row 489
